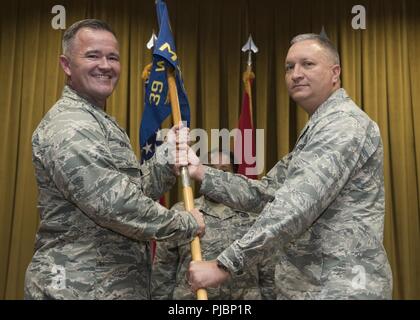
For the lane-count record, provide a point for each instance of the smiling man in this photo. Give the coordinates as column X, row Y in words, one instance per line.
column 97, row 204
column 322, row 206
column 91, row 62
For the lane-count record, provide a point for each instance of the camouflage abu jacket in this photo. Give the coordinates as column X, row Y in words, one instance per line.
column 223, row 226
column 96, row 207
column 322, row 205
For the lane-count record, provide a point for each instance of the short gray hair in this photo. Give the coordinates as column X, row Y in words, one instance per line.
column 71, row 32
column 321, row 40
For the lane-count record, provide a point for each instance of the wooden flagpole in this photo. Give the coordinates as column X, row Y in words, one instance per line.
column 186, row 185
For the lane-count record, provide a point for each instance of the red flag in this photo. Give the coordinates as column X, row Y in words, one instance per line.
column 245, row 143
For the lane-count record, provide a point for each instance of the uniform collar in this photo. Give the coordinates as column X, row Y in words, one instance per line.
column 325, row 108
column 69, row 93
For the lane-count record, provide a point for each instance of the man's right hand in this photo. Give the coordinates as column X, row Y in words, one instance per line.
column 177, row 143
column 195, row 168
column 198, row 216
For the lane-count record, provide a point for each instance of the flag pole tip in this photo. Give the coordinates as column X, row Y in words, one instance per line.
column 250, row 45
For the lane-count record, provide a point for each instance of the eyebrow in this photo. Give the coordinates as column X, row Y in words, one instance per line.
column 288, row 62
column 99, row 52
column 92, row 51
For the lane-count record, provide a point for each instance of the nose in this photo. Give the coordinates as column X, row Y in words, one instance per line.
column 104, row 64
column 297, row 73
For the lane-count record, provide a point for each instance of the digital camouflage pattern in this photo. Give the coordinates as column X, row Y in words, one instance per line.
column 97, row 207
column 223, row 226
column 322, row 206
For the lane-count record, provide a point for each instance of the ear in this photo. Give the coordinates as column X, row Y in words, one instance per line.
column 65, row 64
column 336, row 70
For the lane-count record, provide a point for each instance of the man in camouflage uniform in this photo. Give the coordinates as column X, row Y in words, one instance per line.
column 223, row 226
column 96, row 202
column 322, row 205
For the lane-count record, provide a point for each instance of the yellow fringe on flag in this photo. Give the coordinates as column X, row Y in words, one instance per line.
column 246, row 77
column 146, row 72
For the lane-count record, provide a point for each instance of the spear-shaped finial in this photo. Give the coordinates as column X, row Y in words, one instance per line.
column 251, row 48
column 147, row 69
column 323, row 34
column 151, row 43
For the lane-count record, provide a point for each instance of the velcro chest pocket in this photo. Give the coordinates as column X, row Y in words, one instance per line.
column 124, row 157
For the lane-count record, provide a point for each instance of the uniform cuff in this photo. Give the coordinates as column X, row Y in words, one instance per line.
column 232, row 259
column 207, row 182
column 162, row 157
column 190, row 224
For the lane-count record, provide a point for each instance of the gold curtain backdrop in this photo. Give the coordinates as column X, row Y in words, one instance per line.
column 380, row 71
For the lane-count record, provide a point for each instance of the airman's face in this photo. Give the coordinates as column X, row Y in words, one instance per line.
column 311, row 76
column 93, row 65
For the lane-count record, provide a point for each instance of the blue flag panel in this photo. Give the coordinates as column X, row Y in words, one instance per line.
column 156, row 100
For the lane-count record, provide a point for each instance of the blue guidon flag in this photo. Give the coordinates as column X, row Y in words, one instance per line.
column 157, row 106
